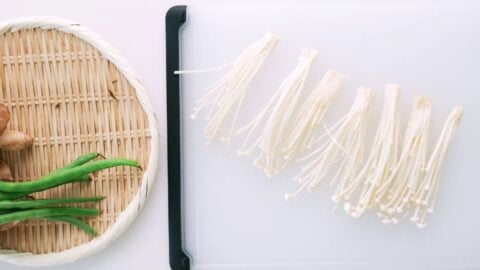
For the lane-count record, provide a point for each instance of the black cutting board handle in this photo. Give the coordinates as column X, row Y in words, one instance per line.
column 174, row 19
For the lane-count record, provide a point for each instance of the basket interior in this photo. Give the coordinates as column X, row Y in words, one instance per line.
column 73, row 101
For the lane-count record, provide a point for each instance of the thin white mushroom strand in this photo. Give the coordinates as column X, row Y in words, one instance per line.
column 277, row 117
column 225, row 97
column 398, row 191
column 311, row 114
column 426, row 194
column 383, row 156
column 344, row 143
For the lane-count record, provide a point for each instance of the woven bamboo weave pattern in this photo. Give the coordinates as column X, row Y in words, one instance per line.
column 60, row 90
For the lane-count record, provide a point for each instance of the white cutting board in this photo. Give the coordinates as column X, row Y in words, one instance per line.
column 236, row 218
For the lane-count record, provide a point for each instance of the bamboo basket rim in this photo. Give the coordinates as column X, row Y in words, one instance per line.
column 128, row 215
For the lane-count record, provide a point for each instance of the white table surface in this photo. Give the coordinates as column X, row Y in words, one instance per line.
column 136, row 28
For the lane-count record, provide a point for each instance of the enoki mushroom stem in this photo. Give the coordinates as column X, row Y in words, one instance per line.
column 277, row 117
column 345, row 144
column 382, row 157
column 311, row 113
column 225, row 97
column 425, row 195
column 398, row 191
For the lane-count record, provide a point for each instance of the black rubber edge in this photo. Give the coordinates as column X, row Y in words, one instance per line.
column 174, row 19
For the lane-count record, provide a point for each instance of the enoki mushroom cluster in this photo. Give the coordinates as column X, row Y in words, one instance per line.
column 397, row 178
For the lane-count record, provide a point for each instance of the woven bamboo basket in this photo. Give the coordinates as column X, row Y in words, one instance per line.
column 73, row 92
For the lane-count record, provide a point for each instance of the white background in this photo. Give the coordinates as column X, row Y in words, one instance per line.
column 136, row 28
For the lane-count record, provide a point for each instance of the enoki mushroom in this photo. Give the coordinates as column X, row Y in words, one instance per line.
column 225, row 97
column 311, row 114
column 276, row 118
column 382, row 157
column 397, row 193
column 345, row 143
column 424, row 198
